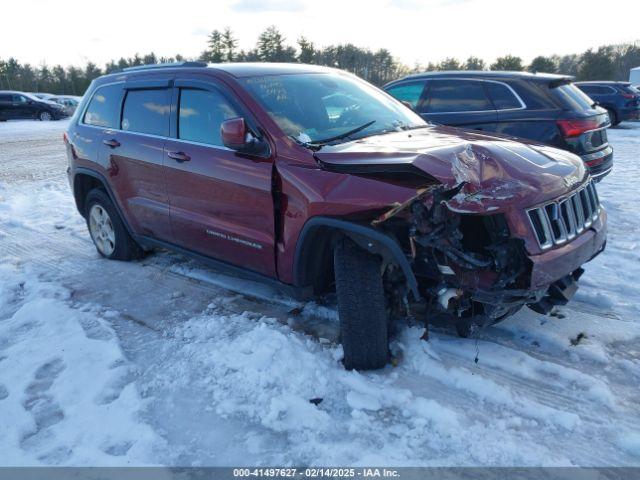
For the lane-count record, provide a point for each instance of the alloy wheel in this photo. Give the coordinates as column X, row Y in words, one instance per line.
column 102, row 231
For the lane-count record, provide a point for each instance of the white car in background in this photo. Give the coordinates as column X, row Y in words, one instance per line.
column 69, row 102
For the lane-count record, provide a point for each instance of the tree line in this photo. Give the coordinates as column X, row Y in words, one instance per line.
column 608, row 62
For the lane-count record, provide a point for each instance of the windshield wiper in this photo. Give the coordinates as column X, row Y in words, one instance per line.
column 324, row 141
column 414, row 127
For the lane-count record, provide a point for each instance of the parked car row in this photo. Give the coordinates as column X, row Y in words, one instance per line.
column 546, row 108
column 16, row 105
column 620, row 99
column 315, row 181
column 70, row 102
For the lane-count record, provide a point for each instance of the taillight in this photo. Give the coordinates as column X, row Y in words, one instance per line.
column 65, row 137
column 576, row 127
column 629, row 96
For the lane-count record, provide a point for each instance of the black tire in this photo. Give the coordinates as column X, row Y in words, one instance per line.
column 125, row 248
column 613, row 117
column 361, row 306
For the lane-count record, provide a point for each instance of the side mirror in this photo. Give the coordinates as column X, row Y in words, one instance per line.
column 236, row 136
column 407, row 104
column 234, row 133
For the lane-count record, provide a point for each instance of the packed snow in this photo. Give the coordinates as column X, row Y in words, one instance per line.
column 165, row 362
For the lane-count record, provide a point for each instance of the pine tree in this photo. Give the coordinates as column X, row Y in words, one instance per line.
column 474, row 63
column 307, row 51
column 216, row 48
column 597, row 65
column 508, row 62
column 271, row 47
column 229, row 44
column 543, row 64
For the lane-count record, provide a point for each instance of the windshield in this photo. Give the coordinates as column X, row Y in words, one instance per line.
column 317, row 108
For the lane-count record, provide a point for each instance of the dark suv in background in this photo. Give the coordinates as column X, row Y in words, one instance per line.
column 16, row 105
column 542, row 107
column 620, row 99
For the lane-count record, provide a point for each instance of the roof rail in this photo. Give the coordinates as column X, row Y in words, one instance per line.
column 164, row 65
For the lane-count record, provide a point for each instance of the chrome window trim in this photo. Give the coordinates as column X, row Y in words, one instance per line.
column 523, row 105
column 161, row 137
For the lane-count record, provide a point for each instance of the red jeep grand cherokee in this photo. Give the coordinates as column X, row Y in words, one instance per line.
column 313, row 179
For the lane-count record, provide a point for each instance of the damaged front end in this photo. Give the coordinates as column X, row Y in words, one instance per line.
column 471, row 271
column 494, row 225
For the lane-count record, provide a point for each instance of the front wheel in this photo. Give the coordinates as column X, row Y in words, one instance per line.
column 361, row 307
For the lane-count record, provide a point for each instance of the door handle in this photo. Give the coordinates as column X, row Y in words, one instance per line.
column 113, row 143
column 179, row 156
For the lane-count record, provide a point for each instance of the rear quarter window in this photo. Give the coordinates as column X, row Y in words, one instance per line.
column 407, row 92
column 571, row 97
column 104, row 107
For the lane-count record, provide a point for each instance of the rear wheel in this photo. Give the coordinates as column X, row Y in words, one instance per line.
column 361, row 306
column 107, row 229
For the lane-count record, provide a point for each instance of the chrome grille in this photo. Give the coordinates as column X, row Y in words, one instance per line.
column 561, row 221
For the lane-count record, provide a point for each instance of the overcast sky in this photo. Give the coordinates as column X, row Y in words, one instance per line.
column 74, row 31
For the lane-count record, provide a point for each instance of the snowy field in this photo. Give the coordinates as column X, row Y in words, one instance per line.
column 166, row 362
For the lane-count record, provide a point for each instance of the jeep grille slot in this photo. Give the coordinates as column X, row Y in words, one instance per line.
column 561, row 221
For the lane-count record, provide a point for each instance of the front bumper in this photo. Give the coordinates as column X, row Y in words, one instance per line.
column 599, row 163
column 553, row 265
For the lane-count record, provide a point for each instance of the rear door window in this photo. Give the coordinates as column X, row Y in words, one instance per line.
column 104, row 107
column 451, row 96
column 200, row 115
column 408, row 92
column 502, row 96
column 147, row 111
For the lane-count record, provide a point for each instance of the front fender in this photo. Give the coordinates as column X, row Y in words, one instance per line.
column 370, row 239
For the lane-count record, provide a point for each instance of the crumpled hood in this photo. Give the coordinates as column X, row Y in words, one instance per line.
column 493, row 169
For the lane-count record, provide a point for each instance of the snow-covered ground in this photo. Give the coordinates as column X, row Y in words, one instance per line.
column 166, row 362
